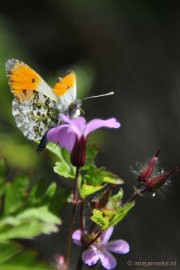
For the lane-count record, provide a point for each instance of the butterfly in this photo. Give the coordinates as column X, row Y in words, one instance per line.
column 36, row 106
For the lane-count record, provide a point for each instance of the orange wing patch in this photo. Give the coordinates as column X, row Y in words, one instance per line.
column 23, row 80
column 64, row 83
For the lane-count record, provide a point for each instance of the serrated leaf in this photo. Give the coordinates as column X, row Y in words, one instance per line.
column 99, row 219
column 28, row 224
column 59, row 200
column 87, row 190
column 108, row 217
column 96, row 176
column 36, row 193
column 64, row 169
column 121, row 213
column 93, row 175
column 15, row 194
column 115, row 200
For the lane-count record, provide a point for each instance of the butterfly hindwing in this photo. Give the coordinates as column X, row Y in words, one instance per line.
column 35, row 116
column 35, row 104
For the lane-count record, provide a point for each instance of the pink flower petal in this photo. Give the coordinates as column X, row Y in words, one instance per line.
column 76, row 236
column 63, row 135
column 78, row 124
column 98, row 123
column 108, row 261
column 105, row 236
column 91, row 256
column 118, row 246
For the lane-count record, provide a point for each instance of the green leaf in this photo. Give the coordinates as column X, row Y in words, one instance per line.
column 28, row 224
column 64, row 169
column 120, row 214
column 96, row 176
column 53, row 197
column 113, row 213
column 91, row 153
column 12, row 256
column 99, row 219
column 88, row 189
column 93, row 175
column 36, row 193
column 116, row 199
column 15, row 194
column 9, row 250
column 55, row 149
column 59, row 200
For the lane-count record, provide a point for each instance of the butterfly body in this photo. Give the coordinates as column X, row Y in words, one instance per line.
column 36, row 106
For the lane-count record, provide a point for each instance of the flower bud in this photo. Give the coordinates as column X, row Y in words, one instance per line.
column 78, row 154
column 148, row 170
column 158, row 181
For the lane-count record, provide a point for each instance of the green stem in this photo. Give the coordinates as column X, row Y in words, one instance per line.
column 73, row 218
column 76, row 192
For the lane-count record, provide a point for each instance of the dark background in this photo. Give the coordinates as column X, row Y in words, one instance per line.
column 132, row 48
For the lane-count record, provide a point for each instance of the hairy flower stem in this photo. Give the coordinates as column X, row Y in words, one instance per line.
column 73, row 217
column 138, row 192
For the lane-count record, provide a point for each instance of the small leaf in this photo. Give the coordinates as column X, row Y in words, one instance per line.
column 64, row 169
column 88, row 189
column 115, row 200
column 121, row 213
column 99, row 219
column 55, row 149
column 112, row 214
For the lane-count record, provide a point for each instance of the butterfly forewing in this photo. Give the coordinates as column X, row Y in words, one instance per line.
column 65, row 89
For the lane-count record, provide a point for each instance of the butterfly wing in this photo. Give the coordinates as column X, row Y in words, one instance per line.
column 35, row 104
column 65, row 89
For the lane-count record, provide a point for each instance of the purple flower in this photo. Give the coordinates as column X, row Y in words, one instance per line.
column 73, row 133
column 100, row 250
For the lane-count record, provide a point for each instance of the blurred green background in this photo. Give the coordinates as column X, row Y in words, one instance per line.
column 132, row 48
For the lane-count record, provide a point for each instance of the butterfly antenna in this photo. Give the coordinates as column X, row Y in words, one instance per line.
column 103, row 95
